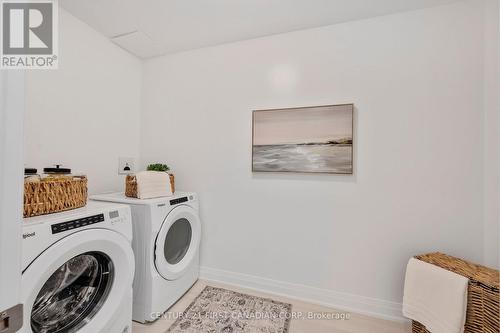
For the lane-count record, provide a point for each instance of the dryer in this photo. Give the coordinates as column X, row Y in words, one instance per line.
column 78, row 269
column 167, row 234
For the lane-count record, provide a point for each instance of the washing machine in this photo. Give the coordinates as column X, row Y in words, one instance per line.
column 78, row 269
column 167, row 234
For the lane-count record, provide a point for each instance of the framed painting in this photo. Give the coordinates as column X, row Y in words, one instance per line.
column 316, row 139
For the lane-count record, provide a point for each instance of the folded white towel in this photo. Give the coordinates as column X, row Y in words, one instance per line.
column 435, row 297
column 153, row 184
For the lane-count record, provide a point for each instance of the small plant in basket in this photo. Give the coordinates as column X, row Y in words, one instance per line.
column 158, row 167
column 131, row 183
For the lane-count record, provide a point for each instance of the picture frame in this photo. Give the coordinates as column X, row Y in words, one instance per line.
column 311, row 139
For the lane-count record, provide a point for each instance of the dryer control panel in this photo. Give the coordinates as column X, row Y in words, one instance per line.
column 75, row 224
column 178, row 201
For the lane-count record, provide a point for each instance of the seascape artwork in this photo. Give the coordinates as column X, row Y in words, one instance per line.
column 310, row 139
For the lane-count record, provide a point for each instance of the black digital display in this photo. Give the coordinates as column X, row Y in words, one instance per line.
column 75, row 224
column 178, row 201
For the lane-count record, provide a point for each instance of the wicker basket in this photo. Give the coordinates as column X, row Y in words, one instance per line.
column 131, row 185
column 483, row 297
column 52, row 195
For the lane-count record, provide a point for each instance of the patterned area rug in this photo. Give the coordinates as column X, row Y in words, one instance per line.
column 219, row 310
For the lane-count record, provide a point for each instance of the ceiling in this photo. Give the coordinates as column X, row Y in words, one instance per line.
column 149, row 28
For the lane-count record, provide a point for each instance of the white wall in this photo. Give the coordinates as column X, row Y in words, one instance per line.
column 416, row 80
column 11, row 190
column 491, row 138
column 87, row 113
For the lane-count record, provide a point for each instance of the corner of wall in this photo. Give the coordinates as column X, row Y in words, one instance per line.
column 491, row 147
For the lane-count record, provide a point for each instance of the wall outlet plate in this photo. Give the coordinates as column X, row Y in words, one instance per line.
column 126, row 165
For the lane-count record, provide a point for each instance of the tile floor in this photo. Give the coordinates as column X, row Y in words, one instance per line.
column 356, row 324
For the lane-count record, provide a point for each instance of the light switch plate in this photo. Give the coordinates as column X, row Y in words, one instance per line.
column 126, row 165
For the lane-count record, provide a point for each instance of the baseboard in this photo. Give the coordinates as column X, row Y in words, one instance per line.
column 329, row 298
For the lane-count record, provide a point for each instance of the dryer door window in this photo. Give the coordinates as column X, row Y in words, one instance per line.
column 73, row 294
column 177, row 241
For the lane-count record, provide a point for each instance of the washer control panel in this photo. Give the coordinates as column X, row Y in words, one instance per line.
column 75, row 224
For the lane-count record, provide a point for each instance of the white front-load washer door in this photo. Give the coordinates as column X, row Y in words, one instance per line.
column 78, row 283
column 178, row 242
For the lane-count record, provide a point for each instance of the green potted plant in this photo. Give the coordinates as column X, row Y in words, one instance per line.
column 163, row 168
column 158, row 167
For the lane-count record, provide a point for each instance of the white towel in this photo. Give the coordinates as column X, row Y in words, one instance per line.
column 153, row 184
column 435, row 297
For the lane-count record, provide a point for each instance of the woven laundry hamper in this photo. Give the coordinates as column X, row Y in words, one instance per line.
column 54, row 194
column 483, row 293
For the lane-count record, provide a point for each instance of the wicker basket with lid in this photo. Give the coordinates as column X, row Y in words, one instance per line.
column 54, row 194
column 58, row 190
